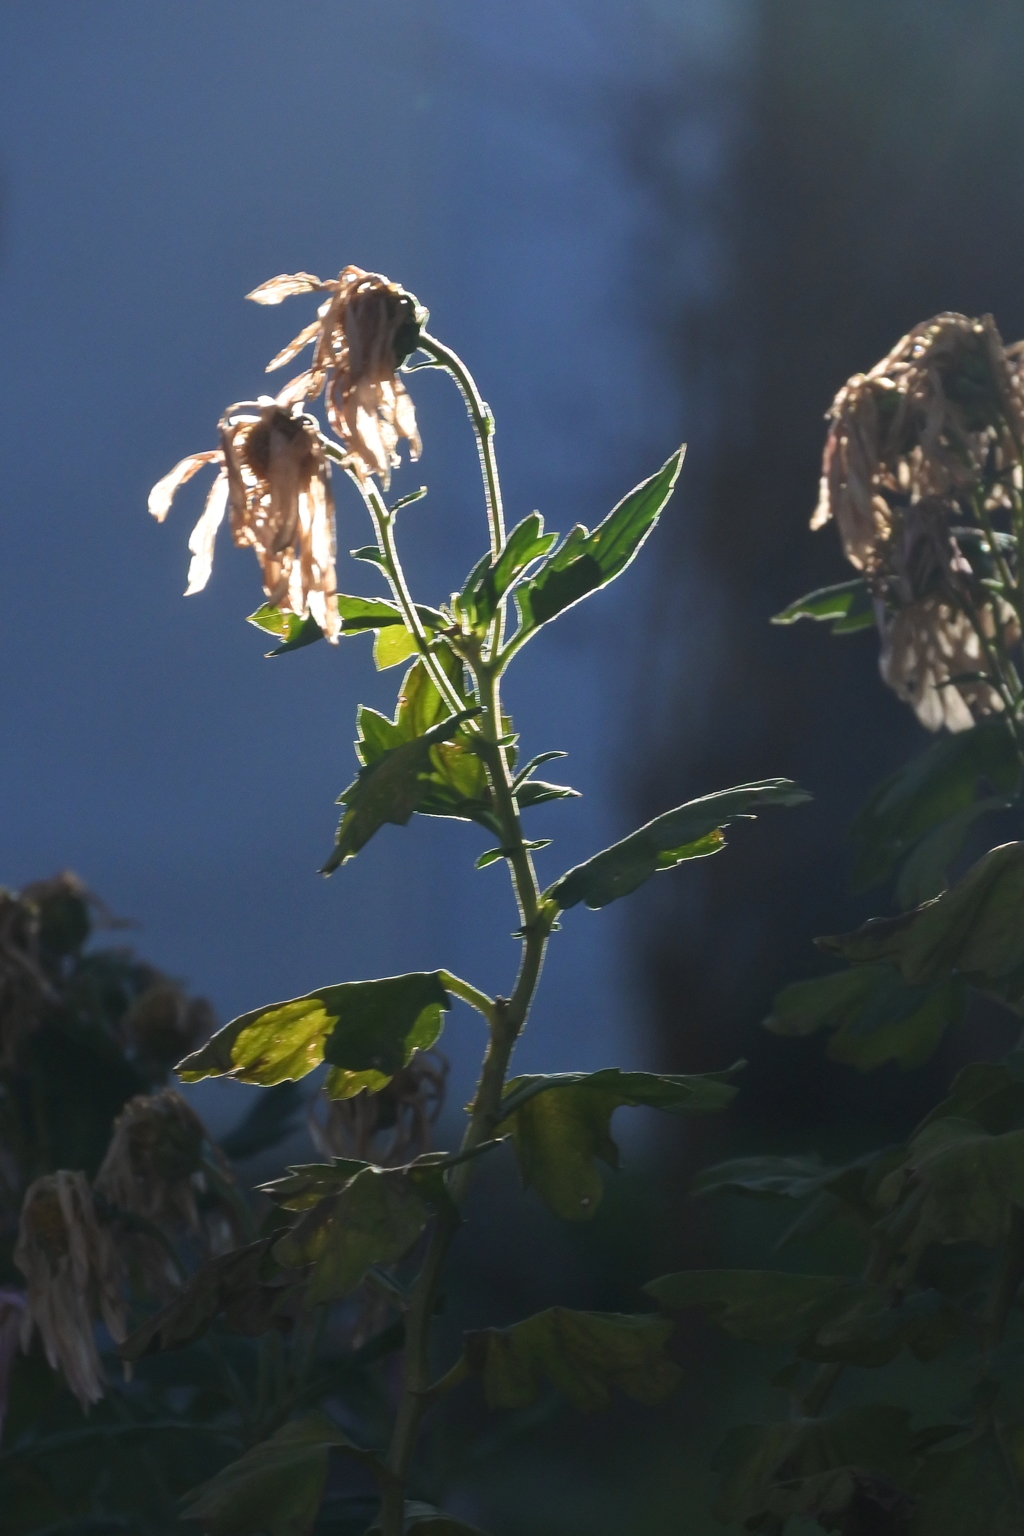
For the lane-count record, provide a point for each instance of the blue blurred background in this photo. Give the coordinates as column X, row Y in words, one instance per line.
column 159, row 161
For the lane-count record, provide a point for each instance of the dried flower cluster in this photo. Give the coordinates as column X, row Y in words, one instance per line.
column 932, row 436
column 74, row 1279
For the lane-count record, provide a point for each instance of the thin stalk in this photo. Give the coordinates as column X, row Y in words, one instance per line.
column 505, row 1021
column 483, row 430
column 468, row 993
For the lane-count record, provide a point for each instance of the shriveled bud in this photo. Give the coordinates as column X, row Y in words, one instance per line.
column 390, row 1127
column 363, row 333
column 74, row 1279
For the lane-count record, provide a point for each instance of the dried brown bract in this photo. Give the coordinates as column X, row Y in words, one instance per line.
column 364, row 331
column 390, row 1127
column 74, row 1279
column 274, row 483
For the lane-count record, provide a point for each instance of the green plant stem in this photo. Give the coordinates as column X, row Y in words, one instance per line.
column 468, row 993
column 483, row 430
column 505, row 1021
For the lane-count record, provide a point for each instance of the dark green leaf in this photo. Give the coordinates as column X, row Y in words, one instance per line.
column 425, row 1520
column 690, row 831
column 875, row 1015
column 973, row 930
column 277, row 1486
column 560, row 1125
column 794, row 1178
column 584, row 562
column 974, row 1489
column 583, row 1354
column 367, row 1030
column 965, row 1182
column 245, row 1287
column 374, row 1218
column 824, row 1317
column 766, row 1467
column 847, row 605
column 941, row 783
column 925, row 872
column 986, row 1092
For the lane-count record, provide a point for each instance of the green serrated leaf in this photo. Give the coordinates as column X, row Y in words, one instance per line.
column 374, row 1218
column 489, row 580
column 874, row 1014
column 690, row 831
column 583, row 1354
column 585, row 562
column 941, row 783
column 966, row 1183
column 367, row 1031
column 358, row 615
column 848, row 606
column 560, row 1126
column 393, row 646
column 276, row 1487
column 971, row 1489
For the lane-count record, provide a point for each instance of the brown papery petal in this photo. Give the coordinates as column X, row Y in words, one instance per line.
column 277, row 288
column 286, row 354
column 304, row 386
column 163, row 493
column 204, row 533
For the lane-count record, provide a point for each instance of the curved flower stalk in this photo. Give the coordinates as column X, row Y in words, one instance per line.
column 364, row 331
column 274, row 482
column 74, row 1279
column 923, row 458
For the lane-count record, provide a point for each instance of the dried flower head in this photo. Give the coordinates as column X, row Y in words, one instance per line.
column 928, row 644
column 364, row 331
column 74, row 1278
column 155, row 1153
column 274, row 482
column 12, row 1316
column 390, row 1127
column 945, row 404
column 164, row 1024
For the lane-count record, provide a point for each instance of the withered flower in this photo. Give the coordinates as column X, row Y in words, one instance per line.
column 154, row 1155
column 390, row 1127
column 946, row 402
column 274, row 482
column 74, row 1278
column 364, row 331
column 164, row 1024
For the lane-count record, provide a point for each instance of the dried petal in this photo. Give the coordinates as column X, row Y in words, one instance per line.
column 163, row 493
column 277, row 288
column 294, row 347
column 201, row 540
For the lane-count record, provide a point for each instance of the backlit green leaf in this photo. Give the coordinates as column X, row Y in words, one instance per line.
column 847, row 606
column 490, row 579
column 367, row 1030
column 358, row 614
column 584, row 561
column 583, row 1354
column 374, row 1218
column 690, row 831
column 560, row 1126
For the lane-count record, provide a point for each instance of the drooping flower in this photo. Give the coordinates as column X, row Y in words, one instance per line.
column 164, row 1024
column 74, row 1279
column 274, row 483
column 946, row 403
column 364, row 331
column 926, row 438
column 155, row 1153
